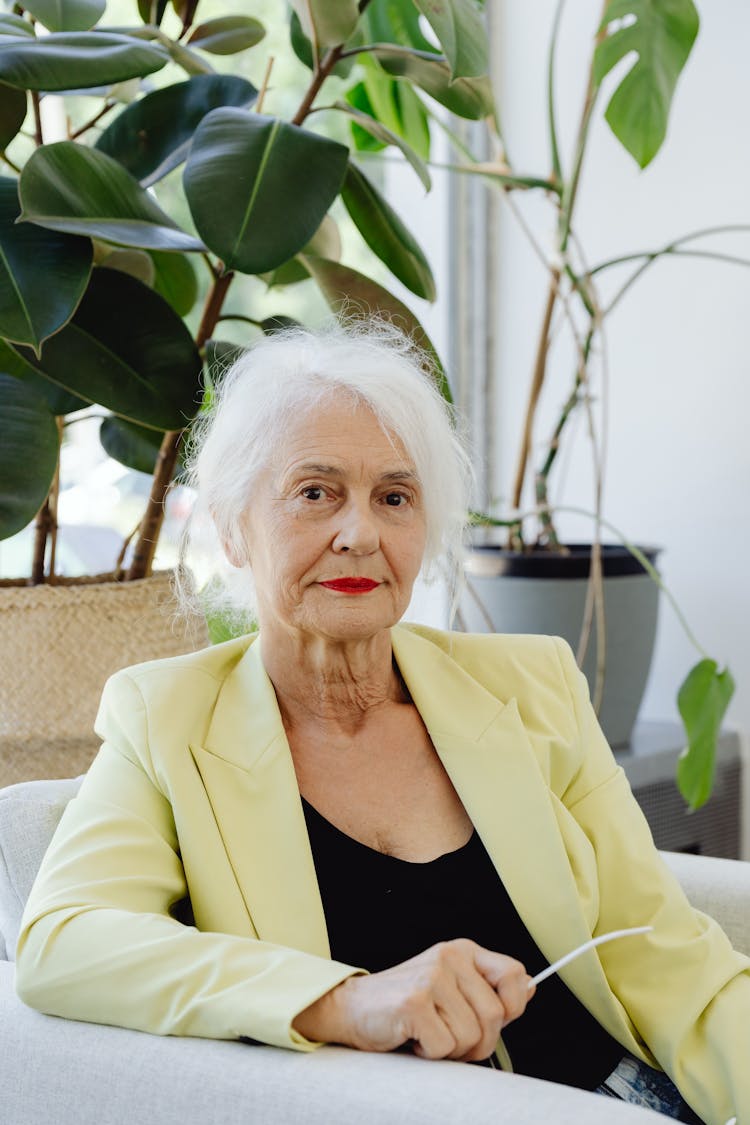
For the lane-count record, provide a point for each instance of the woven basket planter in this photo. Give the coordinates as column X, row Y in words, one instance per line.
column 58, row 645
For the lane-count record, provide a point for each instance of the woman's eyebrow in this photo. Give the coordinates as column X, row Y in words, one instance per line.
column 316, row 468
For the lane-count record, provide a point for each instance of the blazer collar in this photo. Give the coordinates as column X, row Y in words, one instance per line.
column 249, row 777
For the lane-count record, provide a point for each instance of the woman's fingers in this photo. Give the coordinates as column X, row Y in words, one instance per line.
column 451, row 1001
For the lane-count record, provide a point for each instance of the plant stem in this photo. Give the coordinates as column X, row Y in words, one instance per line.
column 52, row 500
column 38, row 138
column 143, row 555
column 42, row 527
column 322, row 71
column 93, row 121
column 264, row 85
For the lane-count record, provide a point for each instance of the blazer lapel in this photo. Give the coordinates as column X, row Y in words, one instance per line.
column 488, row 756
column 248, row 774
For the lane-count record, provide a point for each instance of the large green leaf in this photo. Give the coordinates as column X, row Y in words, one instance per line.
column 385, row 137
column 327, row 22
column 66, row 15
column 702, row 701
column 466, row 97
column 461, row 33
column 69, row 60
column 351, row 295
column 66, row 186
column 394, row 104
column 29, row 445
column 127, row 350
column 325, row 243
column 661, row 35
column 12, row 113
column 43, row 274
column 58, row 400
column 226, row 35
column 153, row 135
column 134, row 446
column 14, row 25
column 258, row 188
column 386, row 235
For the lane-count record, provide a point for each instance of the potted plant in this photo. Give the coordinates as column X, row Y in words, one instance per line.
column 101, row 249
column 521, row 576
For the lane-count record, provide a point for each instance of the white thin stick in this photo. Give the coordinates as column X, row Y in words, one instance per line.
column 583, row 948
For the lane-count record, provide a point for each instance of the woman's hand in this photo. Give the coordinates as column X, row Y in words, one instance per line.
column 452, row 1001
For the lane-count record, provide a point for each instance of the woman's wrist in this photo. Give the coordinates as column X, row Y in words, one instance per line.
column 324, row 1020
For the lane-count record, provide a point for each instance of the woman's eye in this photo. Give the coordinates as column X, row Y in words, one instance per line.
column 312, row 492
column 395, row 499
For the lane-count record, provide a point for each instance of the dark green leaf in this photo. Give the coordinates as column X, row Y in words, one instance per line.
column 43, row 274
column 66, row 186
column 134, row 446
column 333, row 21
column 274, row 181
column 152, row 11
column 227, row 35
column 386, row 137
column 127, row 350
column 702, row 701
column 325, row 243
column 69, row 60
column 175, row 280
column 58, row 400
column 302, row 48
column 273, row 324
column 29, row 445
column 12, row 113
column 386, row 235
column 461, row 33
column 466, row 97
column 15, row 25
column 661, row 36
column 186, row 10
column 153, row 135
column 220, row 355
column 352, row 295
column 66, row 15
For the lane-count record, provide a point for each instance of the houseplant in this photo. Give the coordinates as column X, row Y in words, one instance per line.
column 97, row 284
column 81, row 203
column 655, row 41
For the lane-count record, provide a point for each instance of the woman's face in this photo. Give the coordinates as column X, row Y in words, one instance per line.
column 335, row 529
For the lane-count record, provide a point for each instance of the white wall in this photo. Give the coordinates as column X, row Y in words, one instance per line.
column 679, row 345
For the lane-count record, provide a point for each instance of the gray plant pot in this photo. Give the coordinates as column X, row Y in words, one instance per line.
column 540, row 592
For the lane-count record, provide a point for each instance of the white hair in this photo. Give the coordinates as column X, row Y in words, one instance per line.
column 297, row 370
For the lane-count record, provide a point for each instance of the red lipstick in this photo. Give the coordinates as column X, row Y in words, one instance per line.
column 351, row 585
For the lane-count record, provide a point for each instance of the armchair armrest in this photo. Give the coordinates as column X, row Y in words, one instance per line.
column 719, row 887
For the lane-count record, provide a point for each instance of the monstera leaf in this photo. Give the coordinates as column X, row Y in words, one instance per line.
column 661, row 35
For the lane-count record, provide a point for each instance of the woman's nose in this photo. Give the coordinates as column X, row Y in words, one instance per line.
column 357, row 530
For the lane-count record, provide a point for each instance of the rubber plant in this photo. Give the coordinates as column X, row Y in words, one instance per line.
column 656, row 36
column 97, row 279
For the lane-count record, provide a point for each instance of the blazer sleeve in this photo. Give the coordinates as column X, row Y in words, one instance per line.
column 99, row 937
column 687, row 991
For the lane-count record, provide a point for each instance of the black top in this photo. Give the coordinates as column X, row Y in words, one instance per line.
column 381, row 910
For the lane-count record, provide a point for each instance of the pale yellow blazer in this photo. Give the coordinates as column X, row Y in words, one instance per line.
column 193, row 796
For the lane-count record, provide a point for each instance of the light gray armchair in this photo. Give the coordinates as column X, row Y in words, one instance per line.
column 72, row 1073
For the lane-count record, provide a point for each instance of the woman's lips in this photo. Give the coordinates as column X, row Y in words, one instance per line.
column 351, row 585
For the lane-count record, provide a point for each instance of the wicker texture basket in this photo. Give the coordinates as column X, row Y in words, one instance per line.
column 58, row 645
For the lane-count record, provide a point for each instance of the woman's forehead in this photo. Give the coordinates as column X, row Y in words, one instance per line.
column 333, row 436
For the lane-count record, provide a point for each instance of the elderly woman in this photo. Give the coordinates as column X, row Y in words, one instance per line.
column 344, row 829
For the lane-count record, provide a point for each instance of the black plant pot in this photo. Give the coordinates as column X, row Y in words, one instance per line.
column 545, row 592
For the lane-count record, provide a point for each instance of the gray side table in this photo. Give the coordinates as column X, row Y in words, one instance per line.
column 650, row 763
